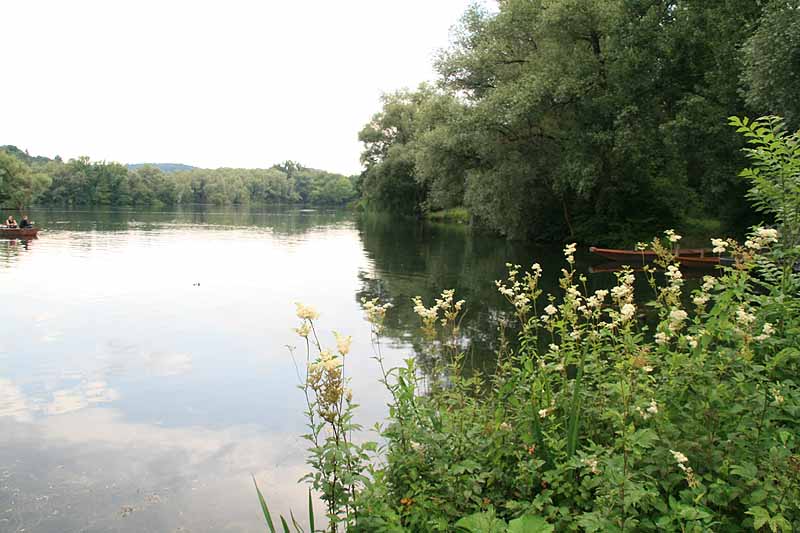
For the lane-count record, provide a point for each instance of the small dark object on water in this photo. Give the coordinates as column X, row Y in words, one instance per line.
column 196, row 284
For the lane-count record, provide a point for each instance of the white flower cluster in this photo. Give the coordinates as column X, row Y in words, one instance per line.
column 306, row 312
column 674, row 275
column 544, row 413
column 430, row 315
column 744, row 318
column 569, row 253
column 326, row 361
column 672, row 236
column 549, row 311
column 676, row 319
column 627, row 311
column 375, row 312
column 427, row 314
column 596, row 300
column 720, row 246
column 343, row 343
column 649, row 411
column 520, row 293
column 304, row 330
column 623, row 291
column 680, row 459
column 592, row 464
column 672, row 291
column 449, row 308
column 776, row 394
column 766, row 332
column 761, row 238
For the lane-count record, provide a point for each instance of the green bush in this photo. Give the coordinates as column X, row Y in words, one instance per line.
column 600, row 420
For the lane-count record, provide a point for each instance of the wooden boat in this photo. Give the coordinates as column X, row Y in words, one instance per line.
column 689, row 257
column 646, row 256
column 18, row 233
column 612, row 266
column 703, row 262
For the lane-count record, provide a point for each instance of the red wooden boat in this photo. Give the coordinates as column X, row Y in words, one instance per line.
column 703, row 262
column 18, row 233
column 646, row 256
column 688, row 257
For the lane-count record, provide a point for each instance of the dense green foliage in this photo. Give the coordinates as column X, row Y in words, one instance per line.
column 557, row 118
column 19, row 185
column 682, row 415
column 772, row 62
column 25, row 180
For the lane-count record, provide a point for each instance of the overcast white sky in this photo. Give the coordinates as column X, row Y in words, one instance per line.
column 241, row 83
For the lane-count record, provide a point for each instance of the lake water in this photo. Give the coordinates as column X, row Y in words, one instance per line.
column 144, row 374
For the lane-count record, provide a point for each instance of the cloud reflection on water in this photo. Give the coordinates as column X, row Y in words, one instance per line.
column 159, row 478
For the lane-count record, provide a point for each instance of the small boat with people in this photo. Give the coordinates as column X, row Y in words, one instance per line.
column 24, row 229
column 688, row 257
column 18, row 233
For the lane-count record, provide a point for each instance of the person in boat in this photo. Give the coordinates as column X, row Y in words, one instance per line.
column 25, row 223
column 10, row 222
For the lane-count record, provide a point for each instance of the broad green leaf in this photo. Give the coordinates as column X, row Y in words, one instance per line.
column 760, row 516
column 484, row 522
column 530, row 524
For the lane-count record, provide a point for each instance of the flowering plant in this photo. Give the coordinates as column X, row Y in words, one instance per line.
column 607, row 415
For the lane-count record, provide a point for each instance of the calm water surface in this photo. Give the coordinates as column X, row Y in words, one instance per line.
column 144, row 374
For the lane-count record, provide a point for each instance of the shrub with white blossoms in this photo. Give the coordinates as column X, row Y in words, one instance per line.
column 607, row 414
column 335, row 459
column 761, row 238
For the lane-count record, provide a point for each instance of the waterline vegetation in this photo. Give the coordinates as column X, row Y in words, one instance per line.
column 600, row 418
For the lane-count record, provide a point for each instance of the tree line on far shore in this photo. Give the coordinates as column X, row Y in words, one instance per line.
column 554, row 119
column 25, row 180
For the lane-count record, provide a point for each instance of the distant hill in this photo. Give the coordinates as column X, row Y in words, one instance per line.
column 25, row 156
column 163, row 167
